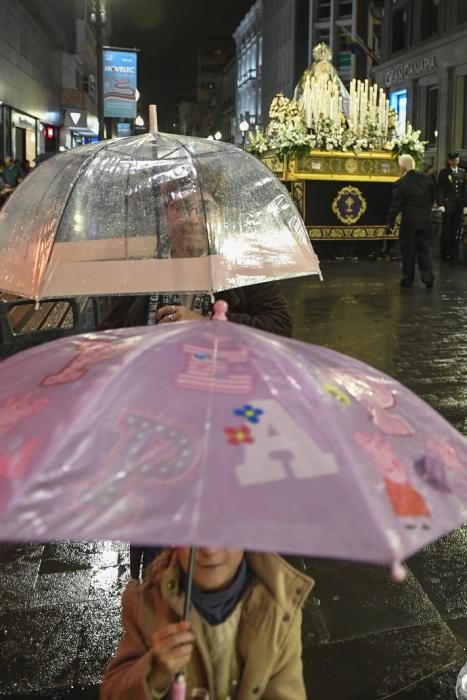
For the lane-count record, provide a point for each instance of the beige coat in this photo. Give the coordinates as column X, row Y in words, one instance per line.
column 269, row 637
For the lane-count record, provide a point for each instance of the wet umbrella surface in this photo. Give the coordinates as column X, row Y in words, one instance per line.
column 153, row 213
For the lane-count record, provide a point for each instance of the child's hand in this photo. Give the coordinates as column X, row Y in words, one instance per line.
column 172, row 646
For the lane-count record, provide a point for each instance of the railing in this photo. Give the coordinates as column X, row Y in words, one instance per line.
column 23, row 324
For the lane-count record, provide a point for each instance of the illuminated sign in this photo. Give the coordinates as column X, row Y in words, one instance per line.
column 120, row 76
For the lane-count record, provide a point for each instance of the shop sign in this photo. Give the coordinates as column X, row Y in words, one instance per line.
column 404, row 71
column 23, row 121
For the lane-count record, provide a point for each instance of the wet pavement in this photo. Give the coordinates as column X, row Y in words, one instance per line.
column 364, row 636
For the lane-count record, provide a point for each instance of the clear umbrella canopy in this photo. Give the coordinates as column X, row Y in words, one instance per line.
column 153, row 213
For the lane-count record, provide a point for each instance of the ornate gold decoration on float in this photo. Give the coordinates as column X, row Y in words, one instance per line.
column 349, row 205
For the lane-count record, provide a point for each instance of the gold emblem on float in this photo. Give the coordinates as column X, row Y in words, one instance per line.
column 349, row 205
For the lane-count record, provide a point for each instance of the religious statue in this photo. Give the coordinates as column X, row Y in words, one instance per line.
column 321, row 78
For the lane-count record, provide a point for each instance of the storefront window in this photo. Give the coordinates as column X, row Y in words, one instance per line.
column 399, row 29
column 345, row 8
column 323, row 35
column 24, row 138
column 429, row 18
column 398, row 101
column 323, row 10
column 431, row 120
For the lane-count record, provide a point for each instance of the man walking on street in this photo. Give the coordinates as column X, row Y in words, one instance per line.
column 452, row 200
column 413, row 196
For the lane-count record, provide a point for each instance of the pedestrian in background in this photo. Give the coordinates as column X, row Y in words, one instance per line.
column 413, row 197
column 12, row 173
column 452, row 201
column 5, row 189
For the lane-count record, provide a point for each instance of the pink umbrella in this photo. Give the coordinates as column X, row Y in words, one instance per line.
column 215, row 434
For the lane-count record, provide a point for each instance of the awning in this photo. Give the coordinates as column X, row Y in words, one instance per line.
column 83, row 131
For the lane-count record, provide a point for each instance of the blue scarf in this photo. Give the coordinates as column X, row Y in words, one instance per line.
column 217, row 606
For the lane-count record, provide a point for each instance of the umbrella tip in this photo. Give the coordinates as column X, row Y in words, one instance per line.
column 220, row 310
column 398, row 572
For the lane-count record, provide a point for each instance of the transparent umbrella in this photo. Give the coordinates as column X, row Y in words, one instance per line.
column 153, row 213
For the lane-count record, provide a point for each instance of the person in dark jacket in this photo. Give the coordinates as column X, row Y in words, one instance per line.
column 260, row 306
column 452, row 201
column 413, row 196
column 11, row 172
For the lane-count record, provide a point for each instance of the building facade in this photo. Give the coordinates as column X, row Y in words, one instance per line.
column 48, row 77
column 352, row 29
column 187, row 117
column 285, row 47
column 424, row 69
column 30, row 84
column 213, row 55
column 248, row 39
column 224, row 116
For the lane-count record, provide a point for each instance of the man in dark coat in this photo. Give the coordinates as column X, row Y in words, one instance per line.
column 260, row 306
column 413, row 197
column 452, row 201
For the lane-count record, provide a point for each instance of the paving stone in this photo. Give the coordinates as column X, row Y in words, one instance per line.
column 381, row 666
column 441, row 571
column 61, row 588
column 357, row 600
column 39, row 650
column 100, row 634
column 16, row 590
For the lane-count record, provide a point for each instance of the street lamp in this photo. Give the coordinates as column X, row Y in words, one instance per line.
column 139, row 121
column 98, row 18
column 243, row 126
column 218, row 135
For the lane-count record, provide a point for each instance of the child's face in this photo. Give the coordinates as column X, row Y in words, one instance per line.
column 214, row 569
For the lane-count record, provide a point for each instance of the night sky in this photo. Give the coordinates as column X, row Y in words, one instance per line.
column 168, row 32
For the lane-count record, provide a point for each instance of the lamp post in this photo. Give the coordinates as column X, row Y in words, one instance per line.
column 243, row 126
column 98, row 18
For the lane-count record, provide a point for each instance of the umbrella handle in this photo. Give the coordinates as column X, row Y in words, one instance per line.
column 398, row 572
column 191, row 562
column 178, row 689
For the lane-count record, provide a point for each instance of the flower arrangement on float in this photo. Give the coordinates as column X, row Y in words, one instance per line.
column 326, row 117
column 288, row 135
